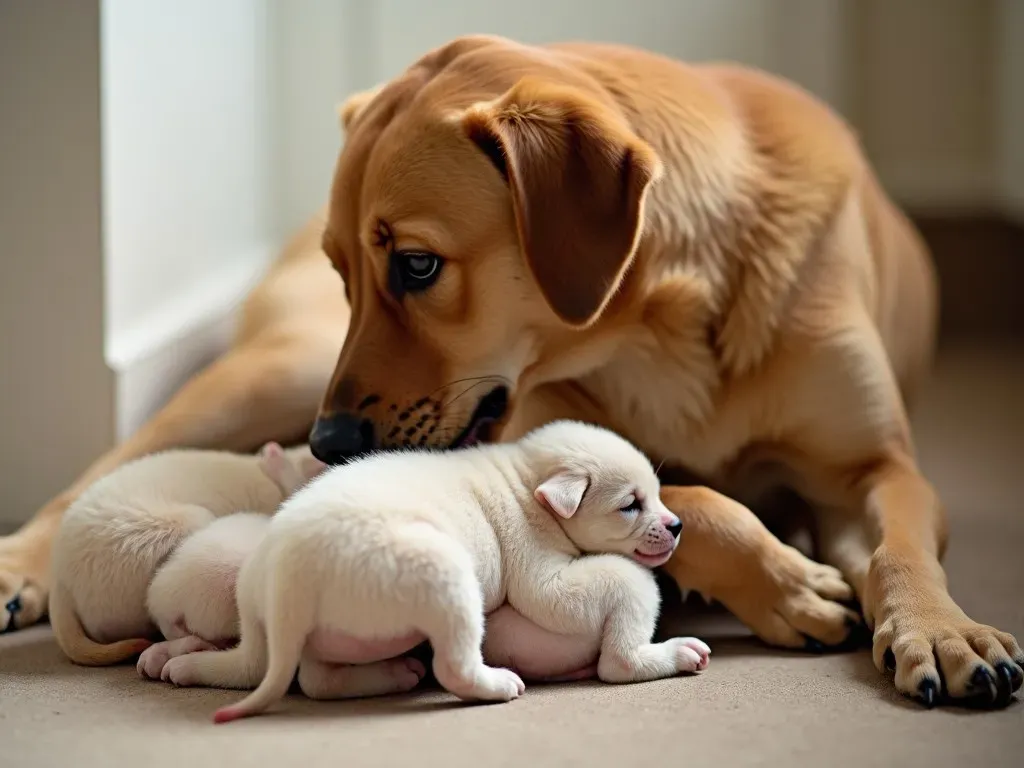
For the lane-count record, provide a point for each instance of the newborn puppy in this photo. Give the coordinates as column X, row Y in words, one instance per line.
column 374, row 556
column 118, row 532
column 192, row 596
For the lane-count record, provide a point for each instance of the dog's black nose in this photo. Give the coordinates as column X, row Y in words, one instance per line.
column 675, row 529
column 339, row 437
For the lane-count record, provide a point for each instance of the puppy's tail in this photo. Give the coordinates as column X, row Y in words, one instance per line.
column 288, row 624
column 76, row 644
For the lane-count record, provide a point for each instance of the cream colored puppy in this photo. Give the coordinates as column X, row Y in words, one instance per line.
column 119, row 531
column 191, row 599
column 374, row 556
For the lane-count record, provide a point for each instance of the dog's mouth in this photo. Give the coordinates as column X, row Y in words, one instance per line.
column 487, row 413
column 653, row 561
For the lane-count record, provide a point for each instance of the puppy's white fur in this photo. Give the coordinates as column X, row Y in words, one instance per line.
column 193, row 593
column 396, row 547
column 119, row 531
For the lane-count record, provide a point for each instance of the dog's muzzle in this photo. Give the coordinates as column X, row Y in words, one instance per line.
column 340, row 437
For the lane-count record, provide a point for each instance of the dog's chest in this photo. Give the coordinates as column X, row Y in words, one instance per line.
column 670, row 410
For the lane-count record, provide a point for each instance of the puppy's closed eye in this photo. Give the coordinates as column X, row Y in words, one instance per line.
column 632, row 506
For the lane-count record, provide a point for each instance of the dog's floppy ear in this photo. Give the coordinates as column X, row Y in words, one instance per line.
column 578, row 177
column 354, row 105
column 562, row 493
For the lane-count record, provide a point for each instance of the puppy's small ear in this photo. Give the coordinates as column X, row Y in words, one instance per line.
column 272, row 452
column 354, row 105
column 562, row 493
column 578, row 176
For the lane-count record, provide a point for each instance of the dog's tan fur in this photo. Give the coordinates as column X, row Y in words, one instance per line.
column 697, row 257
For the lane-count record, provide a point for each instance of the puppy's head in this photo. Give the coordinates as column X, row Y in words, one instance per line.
column 603, row 492
column 485, row 203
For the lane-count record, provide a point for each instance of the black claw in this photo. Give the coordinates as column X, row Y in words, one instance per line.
column 13, row 607
column 890, row 660
column 928, row 692
column 1006, row 682
column 982, row 687
column 813, row 646
column 860, row 636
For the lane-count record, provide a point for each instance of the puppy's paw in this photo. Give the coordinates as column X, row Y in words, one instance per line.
column 151, row 663
column 180, row 671
column 408, row 672
column 487, row 684
column 499, row 685
column 687, row 653
column 153, row 660
column 700, row 648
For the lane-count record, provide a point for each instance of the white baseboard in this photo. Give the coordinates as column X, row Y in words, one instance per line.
column 157, row 355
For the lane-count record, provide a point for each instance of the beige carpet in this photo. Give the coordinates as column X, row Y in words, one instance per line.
column 753, row 706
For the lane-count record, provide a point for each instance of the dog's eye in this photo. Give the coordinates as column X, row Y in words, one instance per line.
column 633, row 506
column 413, row 271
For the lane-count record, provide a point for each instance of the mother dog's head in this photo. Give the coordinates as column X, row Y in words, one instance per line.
column 487, row 202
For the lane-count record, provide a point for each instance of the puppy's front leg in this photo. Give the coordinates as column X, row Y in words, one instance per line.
column 610, row 596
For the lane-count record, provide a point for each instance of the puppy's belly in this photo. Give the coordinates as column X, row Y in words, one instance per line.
column 513, row 641
column 336, row 647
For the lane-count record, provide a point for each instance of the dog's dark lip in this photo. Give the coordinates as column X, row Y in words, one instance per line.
column 489, row 410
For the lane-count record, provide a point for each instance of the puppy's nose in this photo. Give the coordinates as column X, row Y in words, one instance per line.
column 675, row 528
column 339, row 437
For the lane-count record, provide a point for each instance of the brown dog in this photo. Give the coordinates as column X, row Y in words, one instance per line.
column 698, row 258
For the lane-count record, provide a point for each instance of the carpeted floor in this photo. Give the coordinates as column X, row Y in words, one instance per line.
column 753, row 706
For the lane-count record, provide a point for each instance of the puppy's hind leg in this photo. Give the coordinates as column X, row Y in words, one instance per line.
column 445, row 604
column 322, row 681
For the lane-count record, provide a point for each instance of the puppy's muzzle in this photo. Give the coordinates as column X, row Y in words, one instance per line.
column 340, row 437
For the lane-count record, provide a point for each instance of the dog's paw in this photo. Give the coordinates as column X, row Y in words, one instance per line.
column 938, row 655
column 23, row 600
column 796, row 602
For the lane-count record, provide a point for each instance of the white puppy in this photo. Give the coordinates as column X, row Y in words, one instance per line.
column 119, row 531
column 374, row 556
column 191, row 598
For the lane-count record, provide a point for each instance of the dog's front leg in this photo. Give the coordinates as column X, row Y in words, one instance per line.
column 890, row 548
column 613, row 598
column 726, row 553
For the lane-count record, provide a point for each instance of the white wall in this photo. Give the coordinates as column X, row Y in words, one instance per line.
column 56, row 394
column 189, row 201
